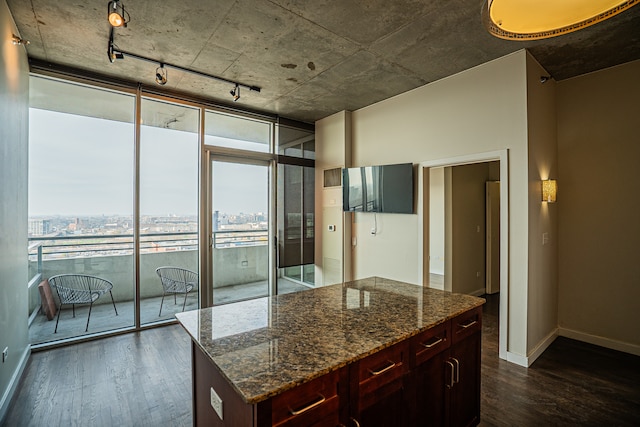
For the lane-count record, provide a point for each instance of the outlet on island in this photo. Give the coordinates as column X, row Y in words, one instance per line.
column 216, row 403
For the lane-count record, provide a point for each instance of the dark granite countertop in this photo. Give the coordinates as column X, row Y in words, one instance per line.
column 268, row 345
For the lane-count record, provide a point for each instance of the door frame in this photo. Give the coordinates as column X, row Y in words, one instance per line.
column 230, row 155
column 423, row 226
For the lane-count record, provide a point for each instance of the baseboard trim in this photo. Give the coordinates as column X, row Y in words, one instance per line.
column 601, row 341
column 518, row 359
column 478, row 292
column 541, row 347
column 13, row 384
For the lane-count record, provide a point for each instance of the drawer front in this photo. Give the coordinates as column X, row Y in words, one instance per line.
column 466, row 324
column 384, row 366
column 304, row 405
column 427, row 344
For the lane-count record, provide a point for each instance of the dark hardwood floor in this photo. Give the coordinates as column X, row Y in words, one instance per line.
column 571, row 384
column 144, row 379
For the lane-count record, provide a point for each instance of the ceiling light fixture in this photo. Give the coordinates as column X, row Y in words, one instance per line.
column 541, row 19
column 161, row 75
column 118, row 17
column 235, row 92
column 19, row 41
column 114, row 52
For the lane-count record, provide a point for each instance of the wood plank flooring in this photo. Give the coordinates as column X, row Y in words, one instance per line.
column 144, row 379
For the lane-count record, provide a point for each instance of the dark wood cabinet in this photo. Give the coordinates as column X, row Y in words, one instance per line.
column 378, row 394
column 447, row 373
column 430, row 379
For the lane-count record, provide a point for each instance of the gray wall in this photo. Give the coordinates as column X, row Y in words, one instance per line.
column 14, row 128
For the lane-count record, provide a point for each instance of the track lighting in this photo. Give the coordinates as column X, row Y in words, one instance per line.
column 18, row 41
column 112, row 53
column 235, row 92
column 118, row 17
column 161, row 75
column 116, row 14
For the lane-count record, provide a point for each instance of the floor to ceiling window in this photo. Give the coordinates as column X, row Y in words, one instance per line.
column 80, row 208
column 127, row 189
column 168, row 219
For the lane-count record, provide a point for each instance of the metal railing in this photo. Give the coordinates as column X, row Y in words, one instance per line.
column 86, row 246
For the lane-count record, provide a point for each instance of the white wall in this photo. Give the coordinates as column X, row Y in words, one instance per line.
column 480, row 110
column 599, row 207
column 332, row 249
column 14, row 126
column 542, row 296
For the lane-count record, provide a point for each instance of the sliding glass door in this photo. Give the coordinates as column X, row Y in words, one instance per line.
column 240, row 236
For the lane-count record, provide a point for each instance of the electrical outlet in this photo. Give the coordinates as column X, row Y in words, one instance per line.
column 5, row 354
column 216, row 403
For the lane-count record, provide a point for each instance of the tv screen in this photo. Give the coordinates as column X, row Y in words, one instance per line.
column 385, row 188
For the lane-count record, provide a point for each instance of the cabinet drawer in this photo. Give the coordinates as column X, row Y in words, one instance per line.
column 381, row 374
column 466, row 324
column 431, row 342
column 304, row 405
column 385, row 365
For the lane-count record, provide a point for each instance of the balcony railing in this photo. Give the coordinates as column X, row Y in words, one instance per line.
column 239, row 256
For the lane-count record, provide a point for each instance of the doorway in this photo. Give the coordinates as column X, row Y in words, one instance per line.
column 240, row 253
column 470, row 275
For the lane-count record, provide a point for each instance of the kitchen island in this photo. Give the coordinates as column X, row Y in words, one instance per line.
column 368, row 352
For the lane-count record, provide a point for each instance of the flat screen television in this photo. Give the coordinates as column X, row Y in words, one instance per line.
column 385, row 189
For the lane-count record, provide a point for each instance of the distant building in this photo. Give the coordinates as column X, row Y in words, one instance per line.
column 39, row 227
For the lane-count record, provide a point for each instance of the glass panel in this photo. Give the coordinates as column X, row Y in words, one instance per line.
column 169, row 159
column 223, row 130
column 81, row 148
column 240, row 254
column 296, row 185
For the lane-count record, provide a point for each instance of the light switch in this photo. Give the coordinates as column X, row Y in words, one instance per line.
column 545, row 238
column 332, row 228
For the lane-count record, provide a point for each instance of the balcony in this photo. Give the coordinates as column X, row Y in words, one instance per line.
column 240, row 263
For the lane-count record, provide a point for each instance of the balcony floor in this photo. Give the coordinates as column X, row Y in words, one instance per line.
column 103, row 316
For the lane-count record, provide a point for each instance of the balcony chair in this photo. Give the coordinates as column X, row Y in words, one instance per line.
column 80, row 289
column 176, row 280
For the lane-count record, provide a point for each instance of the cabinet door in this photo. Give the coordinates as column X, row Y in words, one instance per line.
column 465, row 356
column 429, row 349
column 432, row 401
column 377, row 392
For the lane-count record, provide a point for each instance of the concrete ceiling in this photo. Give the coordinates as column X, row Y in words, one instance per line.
column 310, row 58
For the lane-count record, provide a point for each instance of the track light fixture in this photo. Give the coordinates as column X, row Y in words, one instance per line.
column 235, row 92
column 118, row 17
column 18, row 41
column 112, row 53
column 161, row 75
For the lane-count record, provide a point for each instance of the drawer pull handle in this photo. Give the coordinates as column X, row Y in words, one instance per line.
column 468, row 325
column 383, row 370
column 310, row 406
column 431, row 344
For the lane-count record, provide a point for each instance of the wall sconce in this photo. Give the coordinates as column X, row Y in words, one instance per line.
column 549, row 190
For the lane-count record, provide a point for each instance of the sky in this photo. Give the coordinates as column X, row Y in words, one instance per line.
column 82, row 166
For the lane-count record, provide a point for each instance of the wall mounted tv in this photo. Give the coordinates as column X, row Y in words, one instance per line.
column 385, row 188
